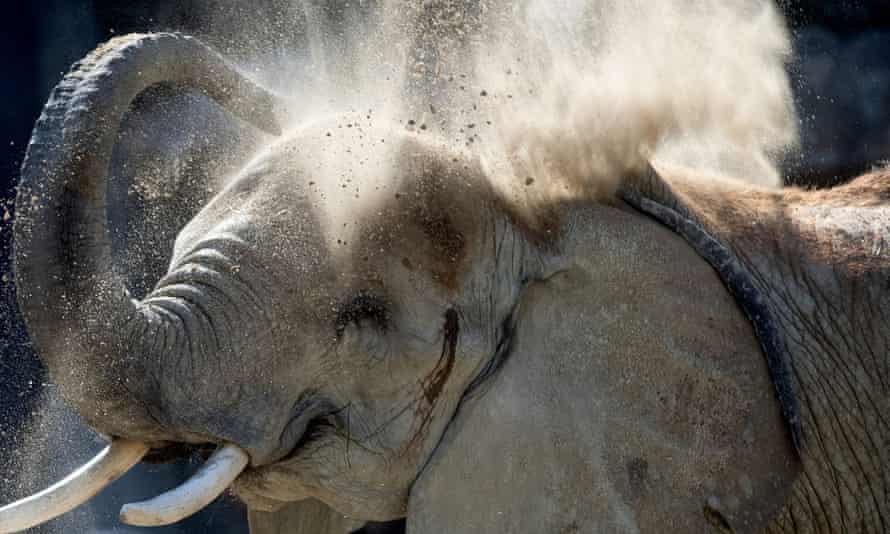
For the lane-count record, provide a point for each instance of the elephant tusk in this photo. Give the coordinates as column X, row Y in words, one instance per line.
column 220, row 470
column 73, row 490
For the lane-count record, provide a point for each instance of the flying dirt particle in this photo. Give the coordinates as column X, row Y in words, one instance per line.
column 529, row 181
column 483, row 93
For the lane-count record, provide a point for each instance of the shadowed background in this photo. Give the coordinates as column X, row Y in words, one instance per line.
column 841, row 80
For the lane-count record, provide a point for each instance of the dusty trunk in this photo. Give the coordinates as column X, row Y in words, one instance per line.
column 95, row 339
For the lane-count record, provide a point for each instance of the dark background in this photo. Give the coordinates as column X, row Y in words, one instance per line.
column 841, row 77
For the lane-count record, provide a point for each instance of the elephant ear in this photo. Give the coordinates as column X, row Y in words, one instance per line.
column 731, row 226
column 175, row 149
column 634, row 398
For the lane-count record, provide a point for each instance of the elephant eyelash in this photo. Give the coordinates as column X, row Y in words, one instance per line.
column 362, row 307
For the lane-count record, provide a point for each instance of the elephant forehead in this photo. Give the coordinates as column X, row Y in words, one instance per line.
column 304, row 182
column 345, row 176
column 333, row 203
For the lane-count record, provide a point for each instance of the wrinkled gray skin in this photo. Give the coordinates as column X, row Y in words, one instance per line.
column 173, row 150
column 385, row 332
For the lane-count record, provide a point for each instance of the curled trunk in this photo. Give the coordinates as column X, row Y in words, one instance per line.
column 92, row 336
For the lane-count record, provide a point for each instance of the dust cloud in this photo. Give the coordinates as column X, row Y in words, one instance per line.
column 607, row 85
column 572, row 94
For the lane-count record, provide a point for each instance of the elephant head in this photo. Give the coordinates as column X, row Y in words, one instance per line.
column 340, row 294
column 366, row 316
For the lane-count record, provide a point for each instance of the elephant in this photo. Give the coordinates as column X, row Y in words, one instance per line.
column 362, row 316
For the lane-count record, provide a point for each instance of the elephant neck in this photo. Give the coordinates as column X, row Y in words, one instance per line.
column 826, row 282
column 811, row 271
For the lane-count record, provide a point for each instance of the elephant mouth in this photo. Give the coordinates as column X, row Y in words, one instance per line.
column 315, row 429
column 166, row 453
column 311, row 419
column 312, row 427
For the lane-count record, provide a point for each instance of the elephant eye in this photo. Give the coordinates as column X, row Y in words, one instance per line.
column 363, row 307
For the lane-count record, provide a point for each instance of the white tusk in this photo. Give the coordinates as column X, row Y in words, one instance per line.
column 73, row 490
column 217, row 473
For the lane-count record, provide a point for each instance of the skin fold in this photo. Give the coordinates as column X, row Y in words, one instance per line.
column 387, row 332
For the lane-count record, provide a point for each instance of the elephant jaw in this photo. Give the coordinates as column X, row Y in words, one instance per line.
column 214, row 477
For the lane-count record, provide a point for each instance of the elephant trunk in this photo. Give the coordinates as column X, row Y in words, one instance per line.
column 93, row 338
